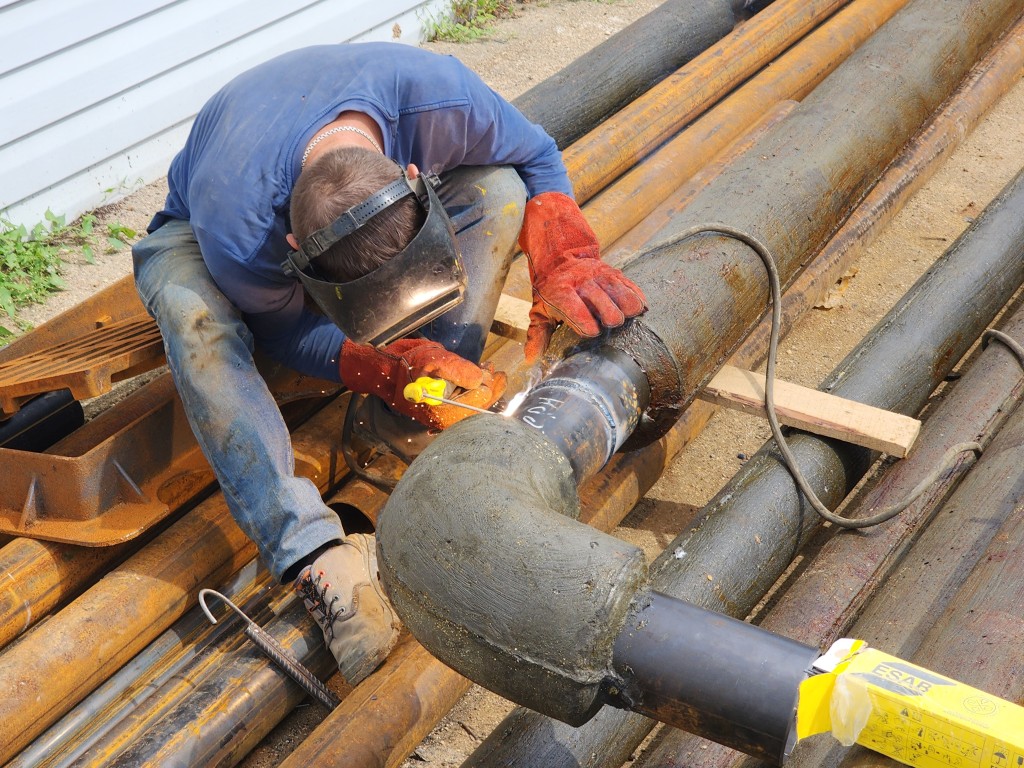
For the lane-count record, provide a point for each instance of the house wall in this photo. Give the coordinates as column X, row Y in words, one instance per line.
column 96, row 96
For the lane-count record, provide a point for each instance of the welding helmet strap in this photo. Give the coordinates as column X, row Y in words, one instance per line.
column 320, row 241
column 420, row 283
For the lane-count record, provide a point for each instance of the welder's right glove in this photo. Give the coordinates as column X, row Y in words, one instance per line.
column 570, row 282
column 385, row 373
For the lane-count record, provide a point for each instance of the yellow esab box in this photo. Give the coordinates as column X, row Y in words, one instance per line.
column 908, row 713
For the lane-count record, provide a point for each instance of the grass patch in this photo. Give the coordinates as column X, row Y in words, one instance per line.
column 31, row 259
column 468, row 20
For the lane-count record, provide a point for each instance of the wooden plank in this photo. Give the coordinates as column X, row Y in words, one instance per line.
column 815, row 411
column 512, row 318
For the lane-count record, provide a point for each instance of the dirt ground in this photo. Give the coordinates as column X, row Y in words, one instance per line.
column 526, row 49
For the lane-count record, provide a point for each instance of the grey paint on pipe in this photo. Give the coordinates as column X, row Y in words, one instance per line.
column 792, row 194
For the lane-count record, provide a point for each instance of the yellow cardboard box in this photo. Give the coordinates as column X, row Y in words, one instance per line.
column 907, row 712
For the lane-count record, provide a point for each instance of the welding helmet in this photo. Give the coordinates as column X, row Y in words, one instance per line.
column 414, row 286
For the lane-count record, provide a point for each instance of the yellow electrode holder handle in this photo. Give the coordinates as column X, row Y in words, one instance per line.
column 426, row 390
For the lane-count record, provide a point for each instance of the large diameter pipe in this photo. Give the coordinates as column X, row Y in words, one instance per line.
column 715, row 675
column 848, row 571
column 566, row 620
column 526, row 738
column 451, row 603
column 606, row 78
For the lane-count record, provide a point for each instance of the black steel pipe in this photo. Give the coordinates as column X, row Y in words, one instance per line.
column 708, row 673
column 606, row 78
column 588, row 406
column 41, row 422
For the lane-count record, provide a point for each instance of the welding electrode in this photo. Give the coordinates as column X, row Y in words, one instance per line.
column 431, row 391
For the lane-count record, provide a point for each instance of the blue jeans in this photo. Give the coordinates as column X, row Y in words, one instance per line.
column 232, row 413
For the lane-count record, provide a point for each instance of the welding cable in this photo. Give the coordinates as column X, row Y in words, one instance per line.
column 887, row 513
column 375, row 479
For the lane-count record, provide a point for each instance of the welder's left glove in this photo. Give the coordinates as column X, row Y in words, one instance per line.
column 570, row 282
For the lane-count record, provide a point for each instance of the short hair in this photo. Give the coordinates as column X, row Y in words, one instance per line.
column 336, row 181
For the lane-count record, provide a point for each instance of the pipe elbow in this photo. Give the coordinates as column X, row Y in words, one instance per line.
column 482, row 556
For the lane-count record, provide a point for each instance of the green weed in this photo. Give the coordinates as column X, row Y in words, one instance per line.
column 467, row 20
column 31, row 260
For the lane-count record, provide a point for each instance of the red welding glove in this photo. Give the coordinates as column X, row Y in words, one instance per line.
column 385, row 373
column 570, row 282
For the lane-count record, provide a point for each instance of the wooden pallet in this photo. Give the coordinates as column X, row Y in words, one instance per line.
column 87, row 364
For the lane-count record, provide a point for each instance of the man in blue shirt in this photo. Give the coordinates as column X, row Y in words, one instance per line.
column 287, row 153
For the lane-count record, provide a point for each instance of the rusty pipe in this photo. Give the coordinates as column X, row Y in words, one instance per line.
column 229, row 711
column 606, row 78
column 380, row 723
column 565, row 672
column 623, row 205
column 136, row 684
column 208, row 692
column 49, row 671
column 621, row 141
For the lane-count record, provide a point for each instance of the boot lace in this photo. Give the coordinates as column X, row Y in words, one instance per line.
column 313, row 590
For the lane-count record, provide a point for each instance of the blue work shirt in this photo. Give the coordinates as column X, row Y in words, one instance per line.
column 233, row 179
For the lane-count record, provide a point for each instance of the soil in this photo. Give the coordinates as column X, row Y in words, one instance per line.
column 521, row 51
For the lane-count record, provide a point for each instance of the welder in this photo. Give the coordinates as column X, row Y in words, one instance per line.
column 351, row 211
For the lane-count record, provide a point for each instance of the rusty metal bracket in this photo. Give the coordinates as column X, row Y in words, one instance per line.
column 87, row 364
column 107, row 481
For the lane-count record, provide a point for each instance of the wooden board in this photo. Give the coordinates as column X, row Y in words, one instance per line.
column 815, row 411
column 512, row 318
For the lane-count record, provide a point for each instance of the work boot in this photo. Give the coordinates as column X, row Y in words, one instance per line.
column 379, row 426
column 342, row 591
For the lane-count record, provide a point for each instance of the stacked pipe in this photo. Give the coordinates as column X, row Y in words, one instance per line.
column 526, row 738
column 65, row 581
column 821, row 605
column 441, row 606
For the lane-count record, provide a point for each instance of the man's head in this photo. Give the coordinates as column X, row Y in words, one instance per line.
column 337, row 181
column 373, row 247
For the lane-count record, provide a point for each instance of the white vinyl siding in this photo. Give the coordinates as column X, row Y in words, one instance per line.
column 96, row 96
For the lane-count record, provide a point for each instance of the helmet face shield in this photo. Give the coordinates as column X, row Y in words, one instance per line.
column 421, row 282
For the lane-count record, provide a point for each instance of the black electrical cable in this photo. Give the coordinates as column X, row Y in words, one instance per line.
column 375, row 479
column 887, row 513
